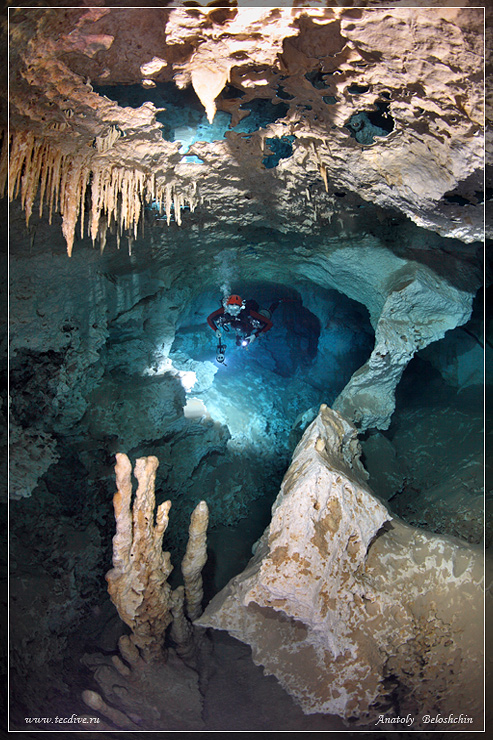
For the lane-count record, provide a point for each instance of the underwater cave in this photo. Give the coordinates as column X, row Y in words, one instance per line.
column 334, row 438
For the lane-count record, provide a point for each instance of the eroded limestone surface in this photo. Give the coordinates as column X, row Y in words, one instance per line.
column 386, row 104
column 354, row 612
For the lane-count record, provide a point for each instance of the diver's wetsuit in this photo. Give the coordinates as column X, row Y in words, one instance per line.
column 246, row 321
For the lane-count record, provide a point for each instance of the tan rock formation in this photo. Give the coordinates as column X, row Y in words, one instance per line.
column 195, row 559
column 423, row 65
column 136, row 683
column 137, row 584
column 403, row 327
column 136, row 695
column 356, row 613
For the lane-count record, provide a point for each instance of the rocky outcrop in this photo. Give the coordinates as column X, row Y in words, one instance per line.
column 342, row 108
column 354, row 612
column 136, row 695
column 418, row 310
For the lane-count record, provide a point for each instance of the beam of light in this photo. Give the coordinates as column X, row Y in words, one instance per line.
column 187, row 378
column 195, row 408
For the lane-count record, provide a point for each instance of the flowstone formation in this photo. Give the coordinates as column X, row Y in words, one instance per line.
column 346, row 117
column 353, row 611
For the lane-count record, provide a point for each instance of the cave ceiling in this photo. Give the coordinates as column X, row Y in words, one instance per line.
column 358, row 106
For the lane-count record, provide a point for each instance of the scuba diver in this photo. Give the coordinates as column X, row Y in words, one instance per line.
column 244, row 317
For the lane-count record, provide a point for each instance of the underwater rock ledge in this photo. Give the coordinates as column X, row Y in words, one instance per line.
column 354, row 612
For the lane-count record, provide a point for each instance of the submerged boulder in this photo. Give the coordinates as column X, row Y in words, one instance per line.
column 356, row 613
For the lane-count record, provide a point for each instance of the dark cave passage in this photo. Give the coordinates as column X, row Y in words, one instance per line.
column 136, row 371
column 154, row 388
column 305, row 359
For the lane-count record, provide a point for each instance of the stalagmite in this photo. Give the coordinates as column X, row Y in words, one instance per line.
column 195, row 559
column 139, row 679
column 137, row 584
column 129, row 652
column 181, row 630
column 96, row 702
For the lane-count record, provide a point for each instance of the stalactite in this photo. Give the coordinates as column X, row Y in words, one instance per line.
column 193, row 198
column 38, row 168
column 103, row 143
column 53, row 183
column 118, row 194
column 102, row 232
column 46, row 171
column 30, row 178
column 150, row 188
column 178, row 202
column 169, row 191
column 21, row 142
column 72, row 192
column 95, row 204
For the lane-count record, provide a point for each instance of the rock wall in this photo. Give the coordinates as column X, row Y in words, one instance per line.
column 404, row 327
column 354, row 612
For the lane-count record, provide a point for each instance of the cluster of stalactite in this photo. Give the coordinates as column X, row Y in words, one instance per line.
column 61, row 181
